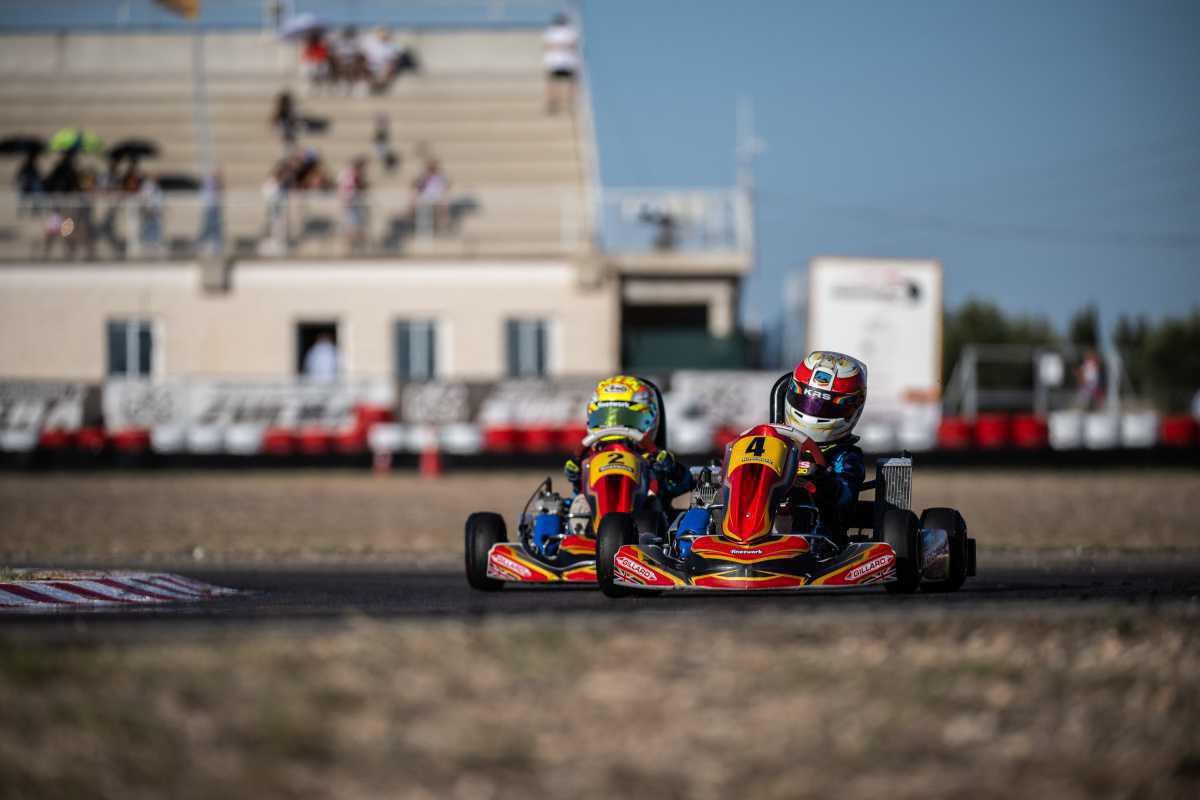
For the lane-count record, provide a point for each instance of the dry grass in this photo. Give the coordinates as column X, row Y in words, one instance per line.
column 1097, row 703
column 336, row 516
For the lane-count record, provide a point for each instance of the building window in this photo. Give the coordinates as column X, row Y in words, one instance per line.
column 318, row 351
column 130, row 347
column 416, row 349
column 526, row 347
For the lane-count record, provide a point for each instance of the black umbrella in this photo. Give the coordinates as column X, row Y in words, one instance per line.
column 22, row 145
column 133, row 148
column 178, row 182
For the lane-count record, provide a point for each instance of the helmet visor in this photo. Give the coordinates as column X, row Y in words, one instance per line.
column 821, row 404
column 619, row 416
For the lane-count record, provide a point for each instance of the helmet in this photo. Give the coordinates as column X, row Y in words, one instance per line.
column 826, row 395
column 626, row 406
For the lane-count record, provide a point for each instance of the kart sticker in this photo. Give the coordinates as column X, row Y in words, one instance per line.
column 612, row 462
column 763, row 450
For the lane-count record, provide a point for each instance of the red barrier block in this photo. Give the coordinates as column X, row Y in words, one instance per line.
column 365, row 416
column 992, row 431
column 350, row 441
column 278, row 442
column 1030, row 432
column 130, row 440
column 570, row 437
column 314, row 441
column 55, row 440
column 723, row 436
column 501, row 439
column 540, row 439
column 954, row 433
column 1179, row 430
column 90, row 439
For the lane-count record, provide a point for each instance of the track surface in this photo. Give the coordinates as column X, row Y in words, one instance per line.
column 280, row 595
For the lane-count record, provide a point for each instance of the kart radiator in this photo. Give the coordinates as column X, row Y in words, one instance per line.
column 893, row 485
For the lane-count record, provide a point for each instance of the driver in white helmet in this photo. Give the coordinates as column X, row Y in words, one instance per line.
column 824, row 401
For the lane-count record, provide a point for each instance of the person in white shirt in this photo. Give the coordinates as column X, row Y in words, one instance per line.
column 321, row 360
column 561, row 60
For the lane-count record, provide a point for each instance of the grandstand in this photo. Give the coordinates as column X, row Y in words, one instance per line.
column 542, row 272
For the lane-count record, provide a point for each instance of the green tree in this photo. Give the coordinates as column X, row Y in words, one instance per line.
column 1084, row 329
column 983, row 322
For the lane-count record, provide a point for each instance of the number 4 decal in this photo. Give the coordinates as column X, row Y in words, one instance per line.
column 757, row 446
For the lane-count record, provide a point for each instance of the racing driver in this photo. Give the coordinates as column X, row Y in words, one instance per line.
column 824, row 401
column 627, row 408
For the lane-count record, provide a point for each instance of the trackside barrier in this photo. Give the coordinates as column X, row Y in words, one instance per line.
column 991, row 431
column 1179, row 431
column 954, row 433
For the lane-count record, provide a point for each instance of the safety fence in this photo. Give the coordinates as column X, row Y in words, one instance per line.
column 287, row 419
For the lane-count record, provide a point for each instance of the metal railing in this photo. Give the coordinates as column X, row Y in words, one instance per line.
column 670, row 220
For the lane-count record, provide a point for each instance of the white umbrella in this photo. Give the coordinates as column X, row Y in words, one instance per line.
column 301, row 25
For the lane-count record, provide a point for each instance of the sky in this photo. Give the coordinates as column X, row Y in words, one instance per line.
column 1047, row 153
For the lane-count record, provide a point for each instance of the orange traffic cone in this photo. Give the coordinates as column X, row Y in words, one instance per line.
column 431, row 462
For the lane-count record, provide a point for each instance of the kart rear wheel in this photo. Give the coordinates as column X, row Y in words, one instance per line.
column 483, row 530
column 616, row 529
column 949, row 520
column 899, row 528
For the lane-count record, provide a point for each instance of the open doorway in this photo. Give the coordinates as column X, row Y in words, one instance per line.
column 318, row 351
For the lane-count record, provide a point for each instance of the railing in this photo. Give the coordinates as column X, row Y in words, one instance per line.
column 667, row 220
column 247, row 224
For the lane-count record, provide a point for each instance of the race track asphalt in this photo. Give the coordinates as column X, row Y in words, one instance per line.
column 271, row 596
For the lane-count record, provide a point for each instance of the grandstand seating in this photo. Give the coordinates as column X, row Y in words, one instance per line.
column 477, row 105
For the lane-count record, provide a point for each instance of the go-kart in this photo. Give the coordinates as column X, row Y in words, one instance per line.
column 753, row 525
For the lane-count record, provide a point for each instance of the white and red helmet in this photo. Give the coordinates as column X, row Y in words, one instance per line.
column 826, row 395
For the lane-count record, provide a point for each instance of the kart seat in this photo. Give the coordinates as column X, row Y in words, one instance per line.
column 660, row 439
column 778, row 393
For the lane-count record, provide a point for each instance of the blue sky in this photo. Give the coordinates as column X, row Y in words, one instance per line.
column 1047, row 152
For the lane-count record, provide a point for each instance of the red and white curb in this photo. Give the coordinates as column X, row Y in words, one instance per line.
column 105, row 590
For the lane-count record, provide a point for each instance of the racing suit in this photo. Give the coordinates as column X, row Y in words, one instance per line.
column 837, row 486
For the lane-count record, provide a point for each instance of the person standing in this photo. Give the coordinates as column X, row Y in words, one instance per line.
column 352, row 193
column 561, row 60
column 321, row 360
column 212, row 227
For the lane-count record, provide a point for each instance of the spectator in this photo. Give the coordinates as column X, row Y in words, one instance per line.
column 308, row 173
column 28, row 181
column 385, row 60
column 561, row 60
column 349, row 63
column 274, row 191
column 321, row 360
column 431, row 192
column 1089, row 379
column 382, row 139
column 316, row 62
column 352, row 192
column 150, row 206
column 285, row 121
column 212, row 223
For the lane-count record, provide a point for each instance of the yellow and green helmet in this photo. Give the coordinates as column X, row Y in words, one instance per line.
column 625, row 406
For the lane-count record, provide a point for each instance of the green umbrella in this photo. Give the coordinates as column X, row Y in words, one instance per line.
column 69, row 138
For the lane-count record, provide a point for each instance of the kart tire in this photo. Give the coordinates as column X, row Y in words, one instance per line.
column 899, row 528
column 483, row 530
column 949, row 520
column 616, row 529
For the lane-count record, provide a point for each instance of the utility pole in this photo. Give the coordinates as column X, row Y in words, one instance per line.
column 747, row 146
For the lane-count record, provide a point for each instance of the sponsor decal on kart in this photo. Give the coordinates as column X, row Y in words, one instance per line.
column 630, row 565
column 618, row 462
column 507, row 564
column 767, row 451
column 869, row 567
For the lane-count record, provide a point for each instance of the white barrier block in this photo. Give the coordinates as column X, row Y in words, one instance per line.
column 461, row 438
column 1065, row 430
column 168, row 438
column 419, row 438
column 386, row 437
column 1101, row 431
column 1139, row 429
column 205, row 439
column 18, row 440
column 244, row 438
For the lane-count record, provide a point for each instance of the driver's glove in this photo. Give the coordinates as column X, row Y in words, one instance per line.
column 571, row 471
column 664, row 462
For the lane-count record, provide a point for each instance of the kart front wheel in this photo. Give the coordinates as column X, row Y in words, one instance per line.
column 899, row 528
column 616, row 529
column 950, row 521
column 483, row 530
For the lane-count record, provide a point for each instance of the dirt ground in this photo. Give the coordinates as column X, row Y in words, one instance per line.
column 315, row 517
column 1030, row 703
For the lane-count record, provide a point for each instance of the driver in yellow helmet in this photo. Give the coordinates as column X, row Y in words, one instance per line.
column 628, row 408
